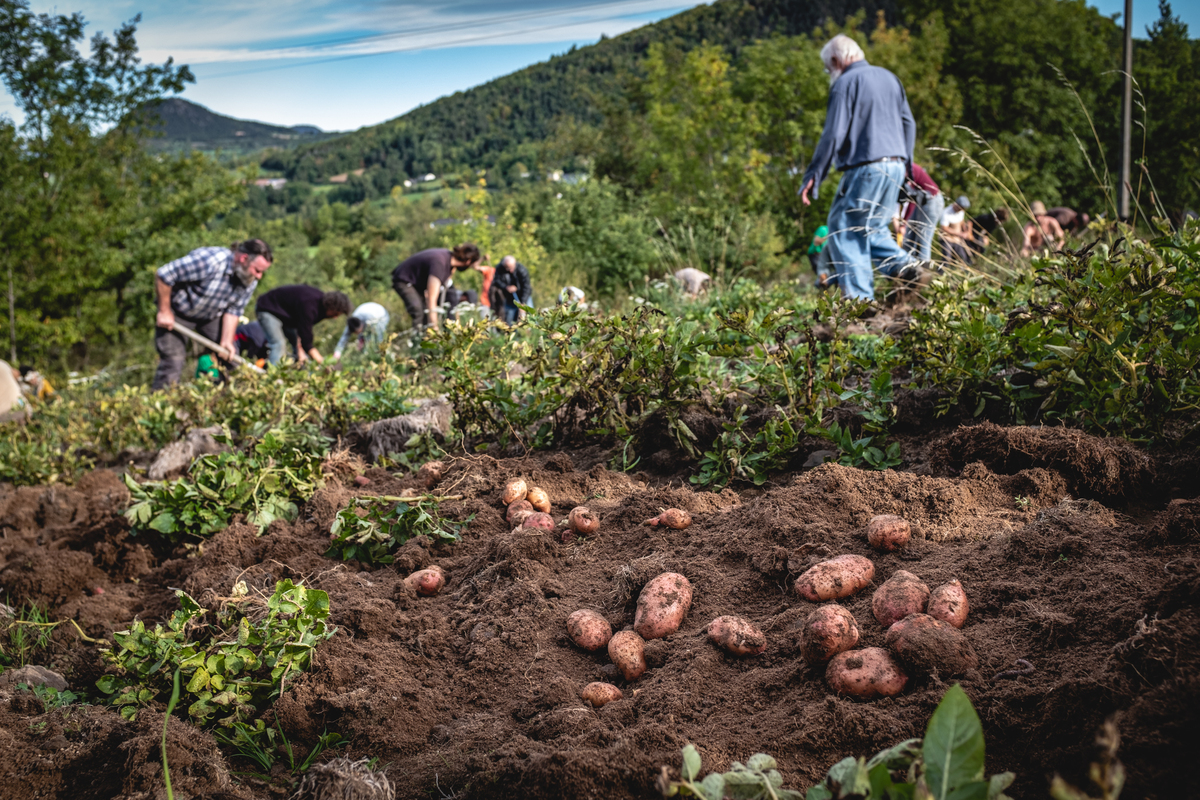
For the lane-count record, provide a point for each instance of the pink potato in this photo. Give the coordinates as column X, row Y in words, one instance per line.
column 898, row 596
column 514, row 490
column 427, row 582
column 588, row 629
column 516, row 509
column 674, row 518
column 539, row 520
column 737, row 635
column 662, row 605
column 836, row 578
column 928, row 645
column 538, row 499
column 948, row 603
column 583, row 521
column 598, row 694
column 888, row 533
column 866, row 674
column 828, row 631
column 628, row 651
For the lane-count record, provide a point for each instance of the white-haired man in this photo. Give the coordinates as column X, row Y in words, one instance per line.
column 869, row 132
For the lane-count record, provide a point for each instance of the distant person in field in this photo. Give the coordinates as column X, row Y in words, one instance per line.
column 35, row 385
column 956, row 231
column 573, row 296
column 287, row 315
column 694, row 281
column 367, row 325
column 511, row 285
column 1070, row 220
column 251, row 342
column 922, row 213
column 486, row 274
column 420, row 279
column 206, row 291
column 869, row 134
column 1043, row 232
column 984, row 226
column 818, row 257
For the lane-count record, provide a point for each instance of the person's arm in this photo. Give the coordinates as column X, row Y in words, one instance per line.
column 837, row 123
column 229, row 323
column 525, row 290
column 909, row 126
column 165, row 318
column 432, row 289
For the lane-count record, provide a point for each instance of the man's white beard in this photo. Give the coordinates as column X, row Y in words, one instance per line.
column 834, row 74
column 243, row 274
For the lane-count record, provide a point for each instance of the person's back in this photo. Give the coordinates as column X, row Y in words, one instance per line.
column 876, row 128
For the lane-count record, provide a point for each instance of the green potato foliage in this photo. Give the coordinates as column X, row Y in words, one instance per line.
column 384, row 524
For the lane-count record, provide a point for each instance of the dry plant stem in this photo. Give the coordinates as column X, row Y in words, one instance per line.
column 75, row 624
column 391, row 498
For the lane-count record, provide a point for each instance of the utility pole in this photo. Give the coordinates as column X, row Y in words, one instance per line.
column 1126, row 116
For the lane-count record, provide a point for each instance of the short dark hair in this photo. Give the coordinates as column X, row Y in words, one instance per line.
column 254, row 247
column 1002, row 214
column 336, row 302
column 467, row 253
column 355, row 324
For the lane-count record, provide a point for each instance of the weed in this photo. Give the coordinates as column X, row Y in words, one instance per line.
column 757, row 779
column 25, row 635
column 51, row 698
column 1022, row 502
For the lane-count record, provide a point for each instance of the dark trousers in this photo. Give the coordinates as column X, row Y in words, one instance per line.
column 172, row 348
column 414, row 303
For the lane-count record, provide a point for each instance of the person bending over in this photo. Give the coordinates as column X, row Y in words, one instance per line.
column 419, row 280
column 287, row 315
column 367, row 325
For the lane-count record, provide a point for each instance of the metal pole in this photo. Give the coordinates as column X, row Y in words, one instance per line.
column 1126, row 116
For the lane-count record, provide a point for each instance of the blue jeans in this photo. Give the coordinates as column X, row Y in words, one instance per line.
column 279, row 337
column 918, row 240
column 858, row 225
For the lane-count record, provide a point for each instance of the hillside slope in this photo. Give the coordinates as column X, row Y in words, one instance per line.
column 186, row 125
column 501, row 122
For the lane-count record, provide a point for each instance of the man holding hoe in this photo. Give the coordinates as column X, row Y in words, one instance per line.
column 870, row 133
column 206, row 292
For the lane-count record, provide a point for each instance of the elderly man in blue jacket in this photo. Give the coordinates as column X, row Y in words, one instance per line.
column 869, row 132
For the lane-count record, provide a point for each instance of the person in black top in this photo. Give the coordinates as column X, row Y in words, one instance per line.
column 511, row 285
column 251, row 341
column 287, row 315
column 419, row 280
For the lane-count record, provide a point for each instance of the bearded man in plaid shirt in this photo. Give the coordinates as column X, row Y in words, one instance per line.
column 206, row 292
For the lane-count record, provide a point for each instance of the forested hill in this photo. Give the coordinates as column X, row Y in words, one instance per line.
column 501, row 123
column 189, row 126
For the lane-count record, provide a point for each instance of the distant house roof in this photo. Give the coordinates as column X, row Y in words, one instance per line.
column 359, row 171
column 339, row 178
column 271, row 183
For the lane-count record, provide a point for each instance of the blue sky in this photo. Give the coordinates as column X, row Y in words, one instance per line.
column 342, row 64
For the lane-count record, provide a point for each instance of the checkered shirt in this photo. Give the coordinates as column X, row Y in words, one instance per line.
column 203, row 285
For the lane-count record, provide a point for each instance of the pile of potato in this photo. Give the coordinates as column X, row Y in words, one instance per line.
column 529, row 507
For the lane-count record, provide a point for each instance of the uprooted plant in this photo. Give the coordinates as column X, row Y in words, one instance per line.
column 372, row 527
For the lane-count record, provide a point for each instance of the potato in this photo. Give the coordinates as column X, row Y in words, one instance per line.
column 516, row 509
column 514, row 490
column 828, row 631
column 539, row 520
column 430, row 473
column 898, row 596
column 427, row 582
column 628, row 651
column 737, row 635
column 948, row 603
column 539, row 500
column 888, row 533
column 675, row 518
column 866, row 674
column 662, row 605
column 583, row 521
column 597, row 694
column 588, row 629
column 929, row 645
column 836, row 578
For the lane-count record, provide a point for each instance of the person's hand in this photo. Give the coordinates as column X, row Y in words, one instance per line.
column 228, row 351
column 804, row 192
column 510, row 289
column 165, row 319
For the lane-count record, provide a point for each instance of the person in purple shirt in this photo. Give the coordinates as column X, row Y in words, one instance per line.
column 869, row 134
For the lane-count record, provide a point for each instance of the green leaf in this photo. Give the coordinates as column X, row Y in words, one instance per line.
column 691, row 763
column 761, row 762
column 998, row 783
column 953, row 748
column 713, row 786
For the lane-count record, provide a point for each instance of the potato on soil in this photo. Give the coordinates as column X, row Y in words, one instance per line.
column 898, row 596
column 836, row 578
column 598, row 694
column 628, row 652
column 888, row 533
column 430, row 473
column 738, row 635
column 662, row 605
column 539, row 520
column 538, row 499
column 866, row 674
column 427, row 582
column 675, row 518
column 588, row 629
column 583, row 521
column 514, row 490
column 948, row 603
column 928, row 645
column 828, row 631
column 516, row 509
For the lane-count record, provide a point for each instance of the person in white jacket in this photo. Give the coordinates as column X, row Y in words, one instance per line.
column 367, row 325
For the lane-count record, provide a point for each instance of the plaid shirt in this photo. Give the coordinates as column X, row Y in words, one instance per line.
column 203, row 285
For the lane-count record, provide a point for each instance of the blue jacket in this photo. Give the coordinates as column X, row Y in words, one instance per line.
column 868, row 119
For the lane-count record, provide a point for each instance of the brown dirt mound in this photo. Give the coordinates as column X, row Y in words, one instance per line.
column 477, row 690
column 1104, row 468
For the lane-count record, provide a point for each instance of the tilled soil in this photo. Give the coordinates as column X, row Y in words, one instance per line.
column 475, row 692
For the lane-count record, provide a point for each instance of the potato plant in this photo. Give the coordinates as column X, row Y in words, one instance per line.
column 384, row 524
